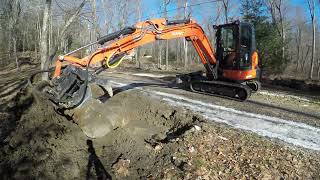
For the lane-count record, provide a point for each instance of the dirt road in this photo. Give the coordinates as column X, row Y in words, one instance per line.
column 165, row 133
column 291, row 118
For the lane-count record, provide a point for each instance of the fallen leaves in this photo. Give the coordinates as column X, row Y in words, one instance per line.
column 121, row 168
column 218, row 153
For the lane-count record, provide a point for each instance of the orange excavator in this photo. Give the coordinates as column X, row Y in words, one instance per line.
column 231, row 72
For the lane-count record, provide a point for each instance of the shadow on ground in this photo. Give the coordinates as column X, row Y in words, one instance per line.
column 95, row 162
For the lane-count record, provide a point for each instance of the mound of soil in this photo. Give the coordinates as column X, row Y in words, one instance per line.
column 47, row 145
column 156, row 141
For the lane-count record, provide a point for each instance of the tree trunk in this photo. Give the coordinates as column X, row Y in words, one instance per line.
column 185, row 43
column 313, row 50
column 44, row 39
column 311, row 4
column 166, row 2
column 14, row 40
column 225, row 5
column 138, row 58
column 305, row 59
column 283, row 35
column 23, row 40
column 167, row 54
column 318, row 69
column 94, row 30
column 50, row 33
column 298, row 44
column 178, row 51
column 283, row 39
column 160, row 55
column 138, row 49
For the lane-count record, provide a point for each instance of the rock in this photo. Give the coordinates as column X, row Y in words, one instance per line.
column 223, row 138
column 198, row 128
column 191, row 149
column 158, row 147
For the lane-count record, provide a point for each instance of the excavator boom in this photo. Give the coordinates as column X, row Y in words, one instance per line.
column 123, row 41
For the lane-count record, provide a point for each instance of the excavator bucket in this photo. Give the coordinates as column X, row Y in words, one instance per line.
column 81, row 95
column 95, row 117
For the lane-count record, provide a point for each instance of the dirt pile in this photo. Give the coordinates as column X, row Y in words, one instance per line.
column 154, row 141
column 36, row 146
column 44, row 144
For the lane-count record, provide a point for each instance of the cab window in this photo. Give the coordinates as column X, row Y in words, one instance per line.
column 245, row 40
column 227, row 39
column 228, row 45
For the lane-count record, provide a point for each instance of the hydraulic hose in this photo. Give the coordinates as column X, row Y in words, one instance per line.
column 116, row 64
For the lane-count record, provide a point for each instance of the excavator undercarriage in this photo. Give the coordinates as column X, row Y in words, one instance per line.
column 199, row 83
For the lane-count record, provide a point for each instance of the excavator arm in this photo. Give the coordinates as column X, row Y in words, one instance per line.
column 118, row 44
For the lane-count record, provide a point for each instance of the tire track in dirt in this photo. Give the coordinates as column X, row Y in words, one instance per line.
column 295, row 133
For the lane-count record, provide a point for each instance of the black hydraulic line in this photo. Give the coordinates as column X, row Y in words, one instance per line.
column 178, row 21
column 111, row 36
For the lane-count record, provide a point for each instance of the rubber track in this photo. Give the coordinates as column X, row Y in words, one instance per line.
column 232, row 86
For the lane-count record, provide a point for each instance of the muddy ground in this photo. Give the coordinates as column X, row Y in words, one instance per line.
column 155, row 141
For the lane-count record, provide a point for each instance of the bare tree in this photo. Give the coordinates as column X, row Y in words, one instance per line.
column 311, row 5
column 226, row 9
column 179, row 14
column 44, row 38
column 165, row 4
column 45, row 59
column 305, row 58
column 94, row 30
column 318, row 68
column 298, row 24
column 64, row 29
column 138, row 13
column 276, row 10
column 16, row 10
column 12, row 13
column 185, row 43
column 298, row 46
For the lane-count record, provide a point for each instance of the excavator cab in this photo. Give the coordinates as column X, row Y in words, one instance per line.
column 236, row 51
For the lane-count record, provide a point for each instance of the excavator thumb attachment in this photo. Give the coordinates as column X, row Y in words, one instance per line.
column 80, row 95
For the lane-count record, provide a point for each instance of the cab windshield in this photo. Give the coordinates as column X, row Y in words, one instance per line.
column 246, row 44
column 228, row 45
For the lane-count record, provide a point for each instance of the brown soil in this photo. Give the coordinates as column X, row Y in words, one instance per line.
column 156, row 141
